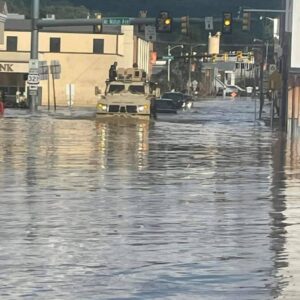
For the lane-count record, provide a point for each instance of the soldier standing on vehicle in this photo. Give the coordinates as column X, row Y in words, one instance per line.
column 113, row 72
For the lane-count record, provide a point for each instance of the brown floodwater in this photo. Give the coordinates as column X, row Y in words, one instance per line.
column 199, row 205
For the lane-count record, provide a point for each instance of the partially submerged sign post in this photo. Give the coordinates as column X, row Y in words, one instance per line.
column 55, row 69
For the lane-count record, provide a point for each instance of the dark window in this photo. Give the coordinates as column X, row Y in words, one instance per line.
column 116, row 88
column 12, row 43
column 136, row 89
column 54, row 44
column 98, row 46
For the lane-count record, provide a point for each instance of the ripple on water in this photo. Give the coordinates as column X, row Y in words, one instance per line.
column 201, row 205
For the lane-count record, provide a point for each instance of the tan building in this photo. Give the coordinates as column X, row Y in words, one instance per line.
column 3, row 17
column 85, row 58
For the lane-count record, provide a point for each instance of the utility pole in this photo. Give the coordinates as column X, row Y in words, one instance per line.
column 34, row 46
column 169, row 67
column 190, row 70
column 169, row 62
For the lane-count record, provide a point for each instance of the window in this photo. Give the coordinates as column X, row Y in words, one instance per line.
column 136, row 89
column 54, row 44
column 12, row 43
column 116, row 88
column 98, row 46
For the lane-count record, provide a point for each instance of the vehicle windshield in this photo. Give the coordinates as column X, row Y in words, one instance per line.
column 136, row 89
column 173, row 96
column 116, row 88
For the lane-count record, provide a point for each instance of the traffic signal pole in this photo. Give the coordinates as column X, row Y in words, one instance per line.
column 169, row 67
column 34, row 53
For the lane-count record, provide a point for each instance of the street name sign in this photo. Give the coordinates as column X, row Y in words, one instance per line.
column 168, row 57
column 116, row 21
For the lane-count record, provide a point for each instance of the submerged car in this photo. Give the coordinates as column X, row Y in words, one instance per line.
column 181, row 101
column 165, row 106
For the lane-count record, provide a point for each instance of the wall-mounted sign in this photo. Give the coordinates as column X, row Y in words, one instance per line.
column 8, row 67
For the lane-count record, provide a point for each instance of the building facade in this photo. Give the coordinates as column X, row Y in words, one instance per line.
column 84, row 56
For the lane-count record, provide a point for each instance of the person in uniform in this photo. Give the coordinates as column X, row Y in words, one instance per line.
column 113, row 72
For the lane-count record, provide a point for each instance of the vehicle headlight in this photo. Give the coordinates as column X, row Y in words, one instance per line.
column 101, row 106
column 142, row 108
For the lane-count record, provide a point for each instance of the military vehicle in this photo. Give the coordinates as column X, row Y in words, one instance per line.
column 129, row 95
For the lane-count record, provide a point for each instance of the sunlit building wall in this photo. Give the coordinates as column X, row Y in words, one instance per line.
column 85, row 58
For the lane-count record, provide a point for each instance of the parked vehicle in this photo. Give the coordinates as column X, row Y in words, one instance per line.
column 231, row 90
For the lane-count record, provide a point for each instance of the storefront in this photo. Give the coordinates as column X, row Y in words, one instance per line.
column 12, row 80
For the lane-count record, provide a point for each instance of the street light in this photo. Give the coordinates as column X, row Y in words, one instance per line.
column 261, row 75
column 266, row 43
column 190, row 66
column 276, row 25
column 169, row 62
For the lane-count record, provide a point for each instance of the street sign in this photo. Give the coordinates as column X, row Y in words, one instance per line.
column 43, row 70
column 33, row 76
column 150, row 33
column 55, row 69
column 168, row 57
column 116, row 21
column 33, row 87
column 33, row 92
column 209, row 23
column 33, row 79
column 33, row 65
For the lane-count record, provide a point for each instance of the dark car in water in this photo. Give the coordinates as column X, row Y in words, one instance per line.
column 180, row 100
column 165, row 106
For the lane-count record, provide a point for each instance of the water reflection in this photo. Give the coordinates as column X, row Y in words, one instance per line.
column 288, row 261
column 136, row 210
column 123, row 143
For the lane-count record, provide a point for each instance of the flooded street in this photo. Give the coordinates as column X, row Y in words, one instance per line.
column 199, row 205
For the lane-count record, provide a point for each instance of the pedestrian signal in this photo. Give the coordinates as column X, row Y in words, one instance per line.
column 164, row 22
column 227, row 23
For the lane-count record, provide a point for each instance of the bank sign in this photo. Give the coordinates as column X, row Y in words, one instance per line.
column 6, row 67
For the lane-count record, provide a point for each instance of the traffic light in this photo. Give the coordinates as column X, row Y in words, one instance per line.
column 142, row 14
column 98, row 28
column 185, row 25
column 225, row 56
column 227, row 23
column 164, row 22
column 246, row 21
